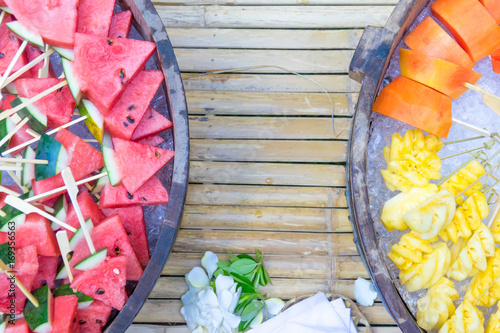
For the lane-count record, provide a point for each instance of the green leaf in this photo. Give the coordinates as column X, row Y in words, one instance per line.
column 259, row 256
column 249, row 313
column 244, row 301
column 244, row 266
column 218, row 272
column 245, row 284
column 223, row 264
column 266, row 275
column 245, row 256
column 257, row 279
column 251, row 275
column 232, row 257
column 263, row 280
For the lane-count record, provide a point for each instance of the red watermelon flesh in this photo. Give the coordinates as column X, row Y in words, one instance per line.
column 153, row 140
column 19, row 326
column 3, row 195
column 33, row 52
column 37, row 231
column 54, row 20
column 58, row 105
column 135, row 226
column 105, row 283
column 104, row 67
column 27, row 267
column 126, row 114
column 2, row 3
column 5, row 102
column 93, row 318
column 9, row 44
column 120, row 24
column 137, row 162
column 47, row 270
column 94, row 17
column 151, row 193
column 89, row 210
column 151, row 123
column 65, row 314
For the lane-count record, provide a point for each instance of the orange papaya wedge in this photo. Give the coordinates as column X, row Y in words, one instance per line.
column 441, row 75
column 416, row 105
column 493, row 7
column 495, row 61
column 471, row 25
column 429, row 38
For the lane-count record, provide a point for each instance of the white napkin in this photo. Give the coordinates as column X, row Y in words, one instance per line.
column 313, row 315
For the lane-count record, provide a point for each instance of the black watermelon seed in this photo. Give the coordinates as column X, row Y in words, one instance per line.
column 157, row 154
column 60, row 89
column 69, row 255
column 2, row 55
column 100, row 291
column 117, row 250
column 130, row 108
column 144, row 198
column 74, row 320
column 12, row 37
column 122, row 73
column 128, row 233
column 125, row 124
column 99, row 321
column 44, row 283
column 110, row 42
column 82, row 322
column 130, row 196
column 130, row 120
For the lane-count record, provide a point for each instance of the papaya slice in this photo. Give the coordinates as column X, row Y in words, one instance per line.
column 495, row 61
column 416, row 105
column 429, row 38
column 493, row 7
column 438, row 74
column 471, row 25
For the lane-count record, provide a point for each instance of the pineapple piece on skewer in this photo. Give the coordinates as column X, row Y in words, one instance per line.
column 413, row 142
column 410, row 249
column 463, row 179
column 483, row 289
column 493, row 324
column 467, row 318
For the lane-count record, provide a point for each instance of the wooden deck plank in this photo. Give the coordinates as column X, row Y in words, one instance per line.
column 271, row 128
column 138, row 328
column 266, row 173
column 267, row 196
column 264, row 38
column 274, row 2
column 269, row 151
column 268, row 103
column 294, row 17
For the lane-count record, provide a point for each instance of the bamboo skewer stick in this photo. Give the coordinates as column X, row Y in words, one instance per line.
column 22, row 160
column 2, row 17
column 10, row 168
column 17, row 181
column 14, row 131
column 27, row 209
column 28, row 66
column 489, row 99
column 44, row 71
column 25, row 291
column 8, row 191
column 55, row 130
column 62, row 241
column 10, row 112
column 472, row 128
column 12, row 64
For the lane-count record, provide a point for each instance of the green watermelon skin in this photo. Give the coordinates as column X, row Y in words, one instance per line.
column 135, row 226
column 9, row 44
column 47, row 270
column 65, row 314
column 37, row 231
column 153, row 140
column 120, row 24
column 137, row 162
column 151, row 193
column 89, row 209
column 94, row 17
column 104, row 278
column 126, row 114
column 58, row 106
column 19, row 326
column 55, row 21
column 151, row 123
column 27, row 268
column 93, row 318
column 104, row 69
column 20, row 136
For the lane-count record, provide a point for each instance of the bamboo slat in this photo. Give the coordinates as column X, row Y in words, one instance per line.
column 275, row 2
column 269, row 151
column 137, row 328
column 266, row 173
column 289, row 104
column 269, row 128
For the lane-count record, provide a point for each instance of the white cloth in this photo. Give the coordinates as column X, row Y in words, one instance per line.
column 313, row 315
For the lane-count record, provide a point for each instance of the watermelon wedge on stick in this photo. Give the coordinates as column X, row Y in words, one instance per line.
column 93, row 318
column 120, row 24
column 94, row 17
column 151, row 123
column 9, row 44
column 65, row 314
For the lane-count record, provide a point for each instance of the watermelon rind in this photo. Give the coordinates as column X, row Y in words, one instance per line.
column 94, row 121
column 110, row 162
column 37, row 120
column 6, row 9
column 74, row 85
column 92, row 261
column 11, row 215
column 99, row 185
column 79, row 234
column 39, row 318
column 65, row 53
column 3, row 323
column 60, row 211
column 28, row 171
column 83, row 300
column 11, row 88
column 61, row 272
column 6, row 126
column 25, row 33
column 6, row 254
column 54, row 152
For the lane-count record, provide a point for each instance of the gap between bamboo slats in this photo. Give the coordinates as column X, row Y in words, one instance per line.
column 274, row 2
column 141, row 328
column 282, row 266
column 269, row 151
column 264, row 38
column 268, row 103
column 247, row 83
column 280, row 17
column 268, row 196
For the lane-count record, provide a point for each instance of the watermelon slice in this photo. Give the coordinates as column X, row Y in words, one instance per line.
column 31, row 53
column 65, row 314
column 126, row 114
column 120, row 24
column 57, row 106
column 104, row 67
column 137, row 162
column 152, row 140
column 151, row 193
column 47, row 270
column 94, row 17
column 151, row 123
column 105, row 283
column 26, row 267
column 3, row 194
column 18, row 326
column 9, row 44
column 55, row 21
column 89, row 210
column 93, row 318
column 36, row 231
column 135, row 226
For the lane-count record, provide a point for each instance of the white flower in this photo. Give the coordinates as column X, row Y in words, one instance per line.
column 364, row 292
column 209, row 262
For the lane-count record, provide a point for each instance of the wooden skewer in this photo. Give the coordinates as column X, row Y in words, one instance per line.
column 25, row 291
column 22, row 160
column 69, row 181
column 472, row 128
column 18, row 173
column 2, row 213
column 27, row 209
column 32, row 133
column 55, row 130
column 44, row 71
column 14, row 131
column 8, row 191
column 489, row 99
column 2, row 15
column 62, row 240
column 10, row 168
column 12, row 64
column 63, row 188
column 17, row 181
column 10, row 112
column 28, row 66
